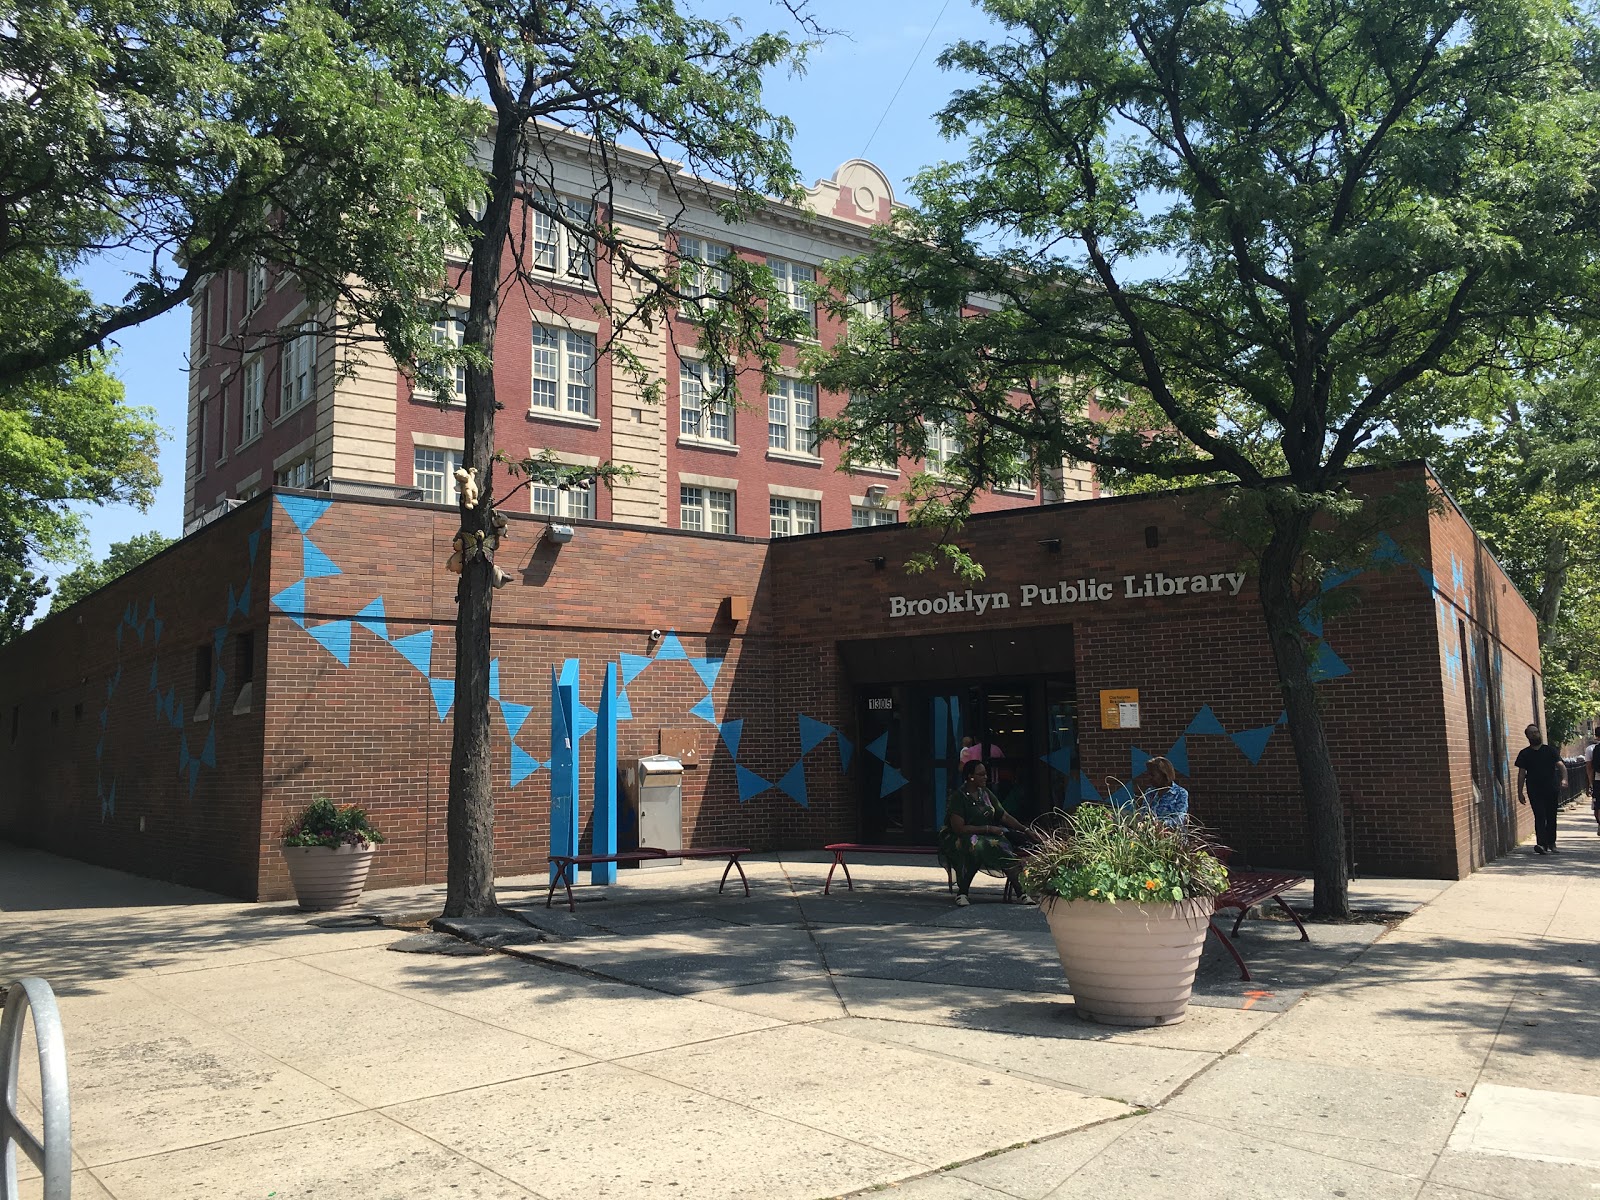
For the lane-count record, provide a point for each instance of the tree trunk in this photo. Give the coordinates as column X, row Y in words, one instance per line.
column 1555, row 579
column 1319, row 786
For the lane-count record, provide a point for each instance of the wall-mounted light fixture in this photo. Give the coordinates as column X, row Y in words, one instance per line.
column 1051, row 544
column 876, row 494
column 559, row 534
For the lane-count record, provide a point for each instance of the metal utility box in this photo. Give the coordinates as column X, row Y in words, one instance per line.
column 657, row 796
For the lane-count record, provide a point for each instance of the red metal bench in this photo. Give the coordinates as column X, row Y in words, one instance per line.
column 563, row 865
column 840, row 849
column 1246, row 889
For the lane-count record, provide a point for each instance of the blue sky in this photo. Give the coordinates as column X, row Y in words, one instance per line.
column 835, row 106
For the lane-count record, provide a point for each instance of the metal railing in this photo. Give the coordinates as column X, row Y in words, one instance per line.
column 51, row 1151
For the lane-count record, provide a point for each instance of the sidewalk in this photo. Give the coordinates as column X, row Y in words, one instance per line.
column 667, row 1041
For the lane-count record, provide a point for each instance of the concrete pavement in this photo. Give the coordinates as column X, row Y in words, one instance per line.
column 667, row 1041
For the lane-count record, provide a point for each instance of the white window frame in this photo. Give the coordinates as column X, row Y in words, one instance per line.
column 572, row 504
column 790, row 516
column 944, row 443
column 297, row 474
column 252, row 401
column 705, row 278
column 297, row 364
column 571, row 376
column 255, row 285
column 791, row 278
column 452, row 331
column 701, row 419
column 422, row 476
column 788, row 432
column 201, row 436
column 865, row 516
column 707, row 509
column 553, row 248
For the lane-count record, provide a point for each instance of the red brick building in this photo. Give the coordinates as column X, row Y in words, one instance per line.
column 172, row 723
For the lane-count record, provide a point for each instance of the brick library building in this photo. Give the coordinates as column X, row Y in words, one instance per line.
column 298, row 641
column 301, row 645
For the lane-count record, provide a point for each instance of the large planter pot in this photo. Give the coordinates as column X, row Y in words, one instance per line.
column 328, row 876
column 1127, row 963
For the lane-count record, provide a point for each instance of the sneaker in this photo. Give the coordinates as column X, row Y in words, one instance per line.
column 1549, row 849
column 1540, row 850
column 962, row 901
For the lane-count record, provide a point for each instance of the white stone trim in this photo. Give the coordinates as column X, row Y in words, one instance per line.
column 557, row 321
column 561, row 456
column 884, row 505
column 793, row 493
column 298, row 450
column 439, row 441
column 251, row 480
column 708, row 481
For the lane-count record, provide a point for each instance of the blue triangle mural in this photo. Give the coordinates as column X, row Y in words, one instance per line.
column 514, row 715
column 706, row 710
column 494, row 679
column 708, row 669
column 731, row 732
column 160, row 625
column 893, row 781
column 671, row 648
column 335, row 639
column 1059, row 759
column 1179, row 756
column 209, row 754
column 219, row 635
column 811, row 732
column 846, row 752
column 1141, row 759
column 1086, row 790
column 444, row 695
column 194, row 774
column 155, row 676
column 632, row 664
column 183, row 753
column 254, row 541
column 624, row 708
column 317, row 564
column 416, row 649
column 1283, row 718
column 1252, row 743
column 292, row 600
column 303, row 510
column 243, row 607
column 1205, row 721
column 878, row 746
column 750, row 784
column 523, row 764
column 584, row 720
column 793, row 784
column 111, row 799
column 1327, row 664
column 374, row 618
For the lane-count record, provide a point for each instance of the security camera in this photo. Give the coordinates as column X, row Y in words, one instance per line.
column 655, row 635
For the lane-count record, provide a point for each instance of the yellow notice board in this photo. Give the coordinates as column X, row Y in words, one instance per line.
column 1119, row 708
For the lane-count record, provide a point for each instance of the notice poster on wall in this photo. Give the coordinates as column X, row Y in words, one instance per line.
column 1119, row 708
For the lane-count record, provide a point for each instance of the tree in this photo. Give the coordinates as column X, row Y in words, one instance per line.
column 66, row 439
column 119, row 560
column 1271, row 225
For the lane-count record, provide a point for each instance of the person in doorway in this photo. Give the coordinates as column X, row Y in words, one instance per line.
column 971, row 751
column 1539, row 777
column 978, row 834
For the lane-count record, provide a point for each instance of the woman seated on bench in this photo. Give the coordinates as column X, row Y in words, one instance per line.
column 978, row 834
column 1160, row 793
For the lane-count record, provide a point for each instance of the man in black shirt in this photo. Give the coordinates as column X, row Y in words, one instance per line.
column 1539, row 776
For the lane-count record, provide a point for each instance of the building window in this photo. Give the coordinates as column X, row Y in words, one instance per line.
column 792, row 280
column 708, row 510
column 944, row 443
column 790, row 517
column 452, row 331
column 299, row 368
column 557, row 249
column 553, row 502
column 205, row 318
column 244, row 670
column 255, row 285
column 563, row 371
column 434, row 472
column 202, row 683
column 699, row 415
column 252, row 414
column 863, row 516
column 296, row 474
column 791, row 411
column 705, row 275
column 201, row 436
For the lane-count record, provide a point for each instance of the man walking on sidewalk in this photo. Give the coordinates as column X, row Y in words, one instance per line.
column 1539, row 777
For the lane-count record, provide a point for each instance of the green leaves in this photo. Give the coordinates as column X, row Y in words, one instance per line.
column 122, row 558
column 1112, row 855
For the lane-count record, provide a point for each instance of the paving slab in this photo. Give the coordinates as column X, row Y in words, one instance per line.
column 1459, row 1176
column 1550, row 1127
column 607, row 1132
column 791, row 1001
column 685, row 961
column 1034, row 1171
column 84, row 1187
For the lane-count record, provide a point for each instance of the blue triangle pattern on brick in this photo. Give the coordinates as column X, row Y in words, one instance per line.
column 1205, row 721
column 893, row 781
column 515, row 716
column 444, row 695
column 1327, row 664
column 706, row 710
column 1086, row 790
column 731, row 732
column 846, row 752
column 242, row 608
column 335, row 639
column 292, row 600
column 1178, row 755
column 632, row 664
column 878, row 746
column 254, row 541
column 1252, row 743
column 183, row 753
column 523, row 764
column 624, row 708
column 494, row 679
column 155, row 676
column 1140, row 760
column 584, row 720
column 374, row 619
column 160, row 625
column 671, row 648
column 793, row 784
column 812, row 732
column 1283, row 718
column 209, row 754
column 708, row 669
column 219, row 636
column 194, row 774
column 304, row 511
column 416, row 649
column 317, row 564
column 1059, row 760
column 750, row 784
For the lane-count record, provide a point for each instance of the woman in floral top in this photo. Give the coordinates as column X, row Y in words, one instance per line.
column 975, row 833
column 1166, row 797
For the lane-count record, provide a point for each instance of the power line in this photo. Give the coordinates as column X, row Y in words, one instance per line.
column 915, row 58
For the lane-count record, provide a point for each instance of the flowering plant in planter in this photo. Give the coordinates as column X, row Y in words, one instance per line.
column 1106, row 854
column 324, row 823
